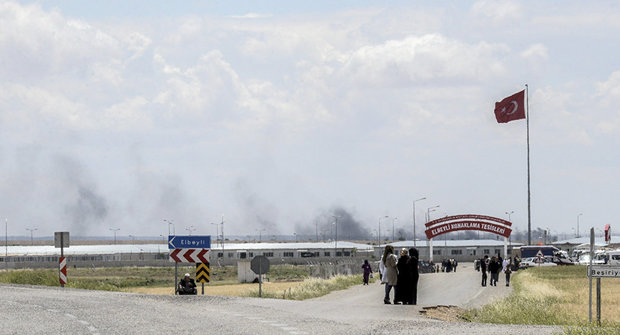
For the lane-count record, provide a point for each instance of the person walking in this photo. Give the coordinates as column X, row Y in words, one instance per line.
column 391, row 273
column 483, row 269
column 403, row 286
column 508, row 271
column 367, row 271
column 415, row 275
column 494, row 268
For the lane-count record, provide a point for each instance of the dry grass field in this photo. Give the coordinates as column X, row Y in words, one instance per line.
column 569, row 288
column 236, row 290
column 555, row 296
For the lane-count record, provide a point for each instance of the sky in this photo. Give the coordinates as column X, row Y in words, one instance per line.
column 275, row 115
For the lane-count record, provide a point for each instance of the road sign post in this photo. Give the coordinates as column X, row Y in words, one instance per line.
column 260, row 266
column 202, row 274
column 61, row 240
column 189, row 249
column 600, row 271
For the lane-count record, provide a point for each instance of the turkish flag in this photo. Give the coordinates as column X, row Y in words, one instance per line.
column 607, row 233
column 511, row 108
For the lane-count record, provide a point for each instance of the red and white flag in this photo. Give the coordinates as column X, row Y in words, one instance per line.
column 511, row 108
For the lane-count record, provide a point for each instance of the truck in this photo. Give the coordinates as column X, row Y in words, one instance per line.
column 536, row 250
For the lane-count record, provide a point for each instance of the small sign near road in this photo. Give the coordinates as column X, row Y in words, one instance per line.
column 61, row 239
column 187, row 242
column 603, row 271
column 260, row 265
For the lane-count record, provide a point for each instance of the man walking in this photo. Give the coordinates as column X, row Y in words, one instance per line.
column 483, row 269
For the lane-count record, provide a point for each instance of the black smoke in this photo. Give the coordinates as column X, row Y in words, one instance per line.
column 324, row 225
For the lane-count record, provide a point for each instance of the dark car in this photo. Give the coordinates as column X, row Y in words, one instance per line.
column 426, row 267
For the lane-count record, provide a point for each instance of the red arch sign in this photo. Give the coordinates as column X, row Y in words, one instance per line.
column 468, row 222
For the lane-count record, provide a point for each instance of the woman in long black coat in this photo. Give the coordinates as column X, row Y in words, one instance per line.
column 403, row 286
column 415, row 275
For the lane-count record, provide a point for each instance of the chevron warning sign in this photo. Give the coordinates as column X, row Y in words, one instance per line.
column 202, row 273
column 189, row 255
column 62, row 263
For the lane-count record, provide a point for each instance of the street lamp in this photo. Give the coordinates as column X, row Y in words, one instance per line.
column 379, row 231
column 394, row 219
column 115, row 230
column 31, row 239
column 414, row 201
column 170, row 223
column 428, row 212
column 190, row 229
column 577, row 235
column 336, row 223
column 509, row 213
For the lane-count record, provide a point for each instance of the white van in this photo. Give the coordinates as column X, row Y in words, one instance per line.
column 614, row 257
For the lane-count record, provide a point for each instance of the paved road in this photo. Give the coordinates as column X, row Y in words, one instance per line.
column 359, row 310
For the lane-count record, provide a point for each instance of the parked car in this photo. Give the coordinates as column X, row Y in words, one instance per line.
column 614, row 257
column 536, row 261
column 426, row 267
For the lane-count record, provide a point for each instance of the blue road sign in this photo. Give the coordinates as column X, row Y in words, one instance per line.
column 189, row 242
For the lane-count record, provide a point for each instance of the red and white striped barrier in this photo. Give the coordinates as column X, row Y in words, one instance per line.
column 62, row 262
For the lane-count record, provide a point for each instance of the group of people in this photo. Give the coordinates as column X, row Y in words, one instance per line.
column 400, row 273
column 449, row 265
column 494, row 266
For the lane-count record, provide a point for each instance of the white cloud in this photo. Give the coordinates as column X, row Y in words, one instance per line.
column 536, row 52
column 503, row 11
column 609, row 94
column 428, row 59
column 130, row 115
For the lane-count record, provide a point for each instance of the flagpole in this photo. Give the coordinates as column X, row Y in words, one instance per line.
column 529, row 198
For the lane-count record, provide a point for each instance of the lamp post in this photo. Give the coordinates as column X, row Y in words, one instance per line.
column 509, row 213
column 428, row 212
column 414, row 201
column 31, row 230
column 6, row 243
column 379, row 231
column 316, row 227
column 577, row 235
column 394, row 219
column 222, row 230
column 336, row 223
column 115, row 230
column 190, row 229
column 170, row 223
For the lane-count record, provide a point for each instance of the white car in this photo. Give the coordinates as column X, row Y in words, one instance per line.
column 614, row 257
column 535, row 261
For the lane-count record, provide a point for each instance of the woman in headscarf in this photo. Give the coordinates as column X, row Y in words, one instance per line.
column 403, row 288
column 367, row 271
column 391, row 273
column 415, row 275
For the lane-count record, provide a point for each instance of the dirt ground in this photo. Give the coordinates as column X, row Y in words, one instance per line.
column 444, row 313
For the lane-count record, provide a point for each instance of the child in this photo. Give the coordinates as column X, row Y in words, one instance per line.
column 508, row 272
